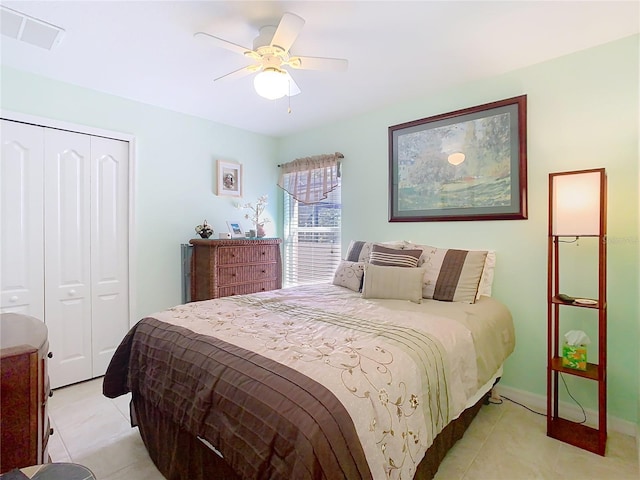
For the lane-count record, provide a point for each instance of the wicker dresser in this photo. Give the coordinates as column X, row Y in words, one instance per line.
column 221, row 268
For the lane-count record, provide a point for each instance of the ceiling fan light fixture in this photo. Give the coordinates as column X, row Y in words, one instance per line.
column 271, row 83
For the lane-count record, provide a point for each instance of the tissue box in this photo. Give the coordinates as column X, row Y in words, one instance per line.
column 574, row 356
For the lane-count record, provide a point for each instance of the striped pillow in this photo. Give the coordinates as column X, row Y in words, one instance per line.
column 359, row 251
column 453, row 275
column 391, row 257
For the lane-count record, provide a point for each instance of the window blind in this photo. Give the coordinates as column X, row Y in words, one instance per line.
column 312, row 240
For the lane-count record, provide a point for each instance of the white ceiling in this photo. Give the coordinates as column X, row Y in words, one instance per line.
column 146, row 51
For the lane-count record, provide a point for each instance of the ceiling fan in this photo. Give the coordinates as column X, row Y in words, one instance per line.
column 271, row 56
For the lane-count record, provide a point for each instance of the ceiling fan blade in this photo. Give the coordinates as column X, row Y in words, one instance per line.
column 319, row 63
column 293, row 86
column 219, row 42
column 287, row 31
column 241, row 72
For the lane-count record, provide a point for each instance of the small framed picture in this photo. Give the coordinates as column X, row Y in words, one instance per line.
column 229, row 179
column 235, row 228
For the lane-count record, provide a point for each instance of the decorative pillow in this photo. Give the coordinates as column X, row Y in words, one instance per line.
column 349, row 274
column 453, row 275
column 486, row 281
column 397, row 283
column 360, row 251
column 392, row 257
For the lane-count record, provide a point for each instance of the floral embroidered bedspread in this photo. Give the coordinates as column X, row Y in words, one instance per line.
column 401, row 375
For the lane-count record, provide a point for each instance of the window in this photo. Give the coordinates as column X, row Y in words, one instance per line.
column 312, row 241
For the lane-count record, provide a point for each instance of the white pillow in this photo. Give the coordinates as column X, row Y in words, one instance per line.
column 349, row 274
column 486, row 281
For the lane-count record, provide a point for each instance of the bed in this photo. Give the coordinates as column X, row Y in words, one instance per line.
column 310, row 382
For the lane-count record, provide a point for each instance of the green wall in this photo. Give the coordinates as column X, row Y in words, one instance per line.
column 175, row 177
column 582, row 113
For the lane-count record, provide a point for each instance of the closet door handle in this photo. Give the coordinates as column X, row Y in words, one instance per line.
column 50, row 354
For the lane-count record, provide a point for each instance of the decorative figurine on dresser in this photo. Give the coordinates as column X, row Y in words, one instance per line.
column 221, row 268
column 24, row 391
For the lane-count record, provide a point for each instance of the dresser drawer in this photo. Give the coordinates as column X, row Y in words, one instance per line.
column 249, row 254
column 243, row 288
column 246, row 274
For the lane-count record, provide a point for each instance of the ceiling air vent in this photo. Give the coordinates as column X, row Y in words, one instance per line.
column 28, row 29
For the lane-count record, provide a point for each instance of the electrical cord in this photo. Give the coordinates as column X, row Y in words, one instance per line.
column 500, row 402
column 575, row 240
column 584, row 414
column 517, row 403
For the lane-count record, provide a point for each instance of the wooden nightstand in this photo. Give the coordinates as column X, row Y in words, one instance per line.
column 221, row 268
column 24, row 391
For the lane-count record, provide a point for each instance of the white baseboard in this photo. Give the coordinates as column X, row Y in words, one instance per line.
column 568, row 410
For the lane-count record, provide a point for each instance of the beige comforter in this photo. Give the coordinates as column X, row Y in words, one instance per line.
column 403, row 371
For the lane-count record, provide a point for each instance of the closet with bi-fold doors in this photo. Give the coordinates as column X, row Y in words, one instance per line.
column 65, row 233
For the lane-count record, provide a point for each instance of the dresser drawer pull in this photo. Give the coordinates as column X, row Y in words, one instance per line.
column 233, row 274
column 264, row 271
column 50, row 354
column 264, row 253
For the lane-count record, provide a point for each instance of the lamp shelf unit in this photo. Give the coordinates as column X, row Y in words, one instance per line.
column 591, row 372
column 577, row 434
column 556, row 300
column 569, row 218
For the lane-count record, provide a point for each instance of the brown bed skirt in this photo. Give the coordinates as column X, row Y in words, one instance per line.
column 181, row 456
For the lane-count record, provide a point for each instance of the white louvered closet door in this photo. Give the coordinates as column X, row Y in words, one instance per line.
column 21, row 219
column 109, row 248
column 67, row 226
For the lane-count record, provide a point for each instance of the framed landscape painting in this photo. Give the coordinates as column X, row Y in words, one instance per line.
column 470, row 164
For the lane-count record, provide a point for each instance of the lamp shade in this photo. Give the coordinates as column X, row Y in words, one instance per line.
column 576, row 199
column 271, row 83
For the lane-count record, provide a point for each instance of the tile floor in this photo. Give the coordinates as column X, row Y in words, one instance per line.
column 503, row 442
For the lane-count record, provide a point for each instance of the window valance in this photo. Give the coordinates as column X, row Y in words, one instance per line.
column 310, row 179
